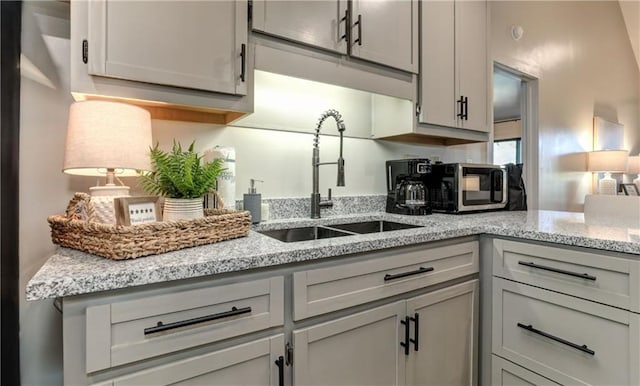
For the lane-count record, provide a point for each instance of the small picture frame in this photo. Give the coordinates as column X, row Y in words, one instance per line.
column 137, row 210
column 630, row 190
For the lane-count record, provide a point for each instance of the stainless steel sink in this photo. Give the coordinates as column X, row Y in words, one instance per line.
column 289, row 235
column 304, row 234
column 373, row 226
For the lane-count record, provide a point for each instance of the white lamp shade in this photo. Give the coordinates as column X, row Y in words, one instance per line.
column 107, row 135
column 614, row 161
column 633, row 166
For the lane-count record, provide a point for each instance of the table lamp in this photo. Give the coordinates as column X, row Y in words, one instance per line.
column 107, row 139
column 633, row 167
column 607, row 161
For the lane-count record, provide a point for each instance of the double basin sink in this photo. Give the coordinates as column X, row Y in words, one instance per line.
column 337, row 230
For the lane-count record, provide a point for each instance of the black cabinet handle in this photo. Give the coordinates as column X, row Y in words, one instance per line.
column 280, row 363
column 85, row 51
column 243, row 60
column 418, row 271
column 582, row 348
column 405, row 344
column 585, row 276
column 189, row 322
column 359, row 24
column 346, row 26
column 416, row 330
column 465, row 109
column 460, row 113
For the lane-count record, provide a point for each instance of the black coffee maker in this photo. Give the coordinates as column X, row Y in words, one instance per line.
column 407, row 186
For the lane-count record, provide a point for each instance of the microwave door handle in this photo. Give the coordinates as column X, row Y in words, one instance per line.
column 492, row 176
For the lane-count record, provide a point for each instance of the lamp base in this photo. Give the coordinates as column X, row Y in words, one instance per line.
column 607, row 185
column 102, row 200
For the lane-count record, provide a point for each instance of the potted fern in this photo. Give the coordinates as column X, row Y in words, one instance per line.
column 182, row 178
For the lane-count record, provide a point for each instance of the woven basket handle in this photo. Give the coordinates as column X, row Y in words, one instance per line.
column 81, row 208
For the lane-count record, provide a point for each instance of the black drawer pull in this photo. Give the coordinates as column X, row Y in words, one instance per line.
column 582, row 348
column 418, row 271
column 406, row 343
column 556, row 270
column 280, row 363
column 184, row 323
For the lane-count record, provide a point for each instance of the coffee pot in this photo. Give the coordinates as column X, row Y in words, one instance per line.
column 407, row 188
column 411, row 194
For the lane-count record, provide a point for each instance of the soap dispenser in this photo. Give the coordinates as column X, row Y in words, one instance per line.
column 252, row 201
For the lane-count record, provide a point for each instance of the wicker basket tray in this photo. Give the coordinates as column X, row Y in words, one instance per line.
column 127, row 242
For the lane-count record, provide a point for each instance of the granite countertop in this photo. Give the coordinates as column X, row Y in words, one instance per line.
column 70, row 272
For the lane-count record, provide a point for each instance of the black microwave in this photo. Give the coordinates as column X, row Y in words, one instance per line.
column 459, row 188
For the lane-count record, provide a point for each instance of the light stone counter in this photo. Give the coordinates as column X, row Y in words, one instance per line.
column 71, row 272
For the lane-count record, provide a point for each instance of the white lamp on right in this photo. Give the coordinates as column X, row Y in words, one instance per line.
column 607, row 162
column 633, row 167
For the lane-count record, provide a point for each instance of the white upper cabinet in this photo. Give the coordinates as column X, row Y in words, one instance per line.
column 319, row 23
column 386, row 32
column 180, row 60
column 472, row 62
column 454, row 64
column 197, row 44
column 379, row 31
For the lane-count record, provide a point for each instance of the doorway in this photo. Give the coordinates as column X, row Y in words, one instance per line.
column 515, row 124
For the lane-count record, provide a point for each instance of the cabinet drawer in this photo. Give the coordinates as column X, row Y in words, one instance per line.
column 505, row 373
column 128, row 331
column 324, row 290
column 570, row 340
column 600, row 278
column 252, row 363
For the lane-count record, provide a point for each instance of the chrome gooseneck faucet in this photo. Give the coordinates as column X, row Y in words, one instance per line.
column 316, row 202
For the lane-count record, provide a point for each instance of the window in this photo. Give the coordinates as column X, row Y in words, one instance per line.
column 507, row 151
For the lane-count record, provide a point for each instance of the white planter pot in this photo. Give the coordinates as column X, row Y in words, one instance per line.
column 182, row 209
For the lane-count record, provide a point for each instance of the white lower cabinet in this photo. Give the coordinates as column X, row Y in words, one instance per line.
column 253, row 363
column 429, row 339
column 242, row 329
column 360, row 349
column 446, row 349
column 553, row 315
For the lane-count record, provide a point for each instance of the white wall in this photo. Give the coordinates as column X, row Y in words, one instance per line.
column 581, row 54
column 44, row 190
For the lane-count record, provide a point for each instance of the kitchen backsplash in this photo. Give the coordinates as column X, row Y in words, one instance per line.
column 280, row 208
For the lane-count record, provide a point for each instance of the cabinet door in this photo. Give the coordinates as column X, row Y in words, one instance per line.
column 315, row 22
column 471, row 61
column 361, row 349
column 437, row 68
column 191, row 44
column 252, row 363
column 386, row 32
column 446, row 341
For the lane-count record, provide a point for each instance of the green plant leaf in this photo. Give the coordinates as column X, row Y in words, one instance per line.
column 180, row 174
